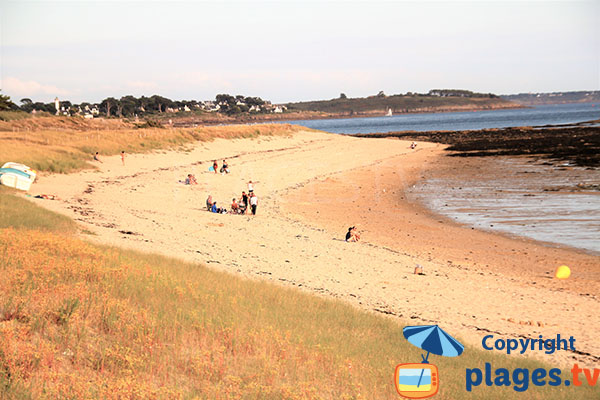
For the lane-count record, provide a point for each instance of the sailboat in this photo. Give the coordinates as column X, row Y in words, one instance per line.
column 389, row 113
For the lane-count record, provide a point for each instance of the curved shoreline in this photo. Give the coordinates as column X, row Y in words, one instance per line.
column 296, row 239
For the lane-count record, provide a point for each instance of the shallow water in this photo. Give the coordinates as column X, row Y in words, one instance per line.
column 456, row 121
column 518, row 197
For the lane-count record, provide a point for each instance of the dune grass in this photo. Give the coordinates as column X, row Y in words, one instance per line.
column 13, row 115
column 19, row 214
column 84, row 321
column 68, row 150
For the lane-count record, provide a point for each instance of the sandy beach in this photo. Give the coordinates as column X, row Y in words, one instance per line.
column 311, row 187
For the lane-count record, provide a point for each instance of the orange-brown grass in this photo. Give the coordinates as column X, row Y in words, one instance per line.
column 81, row 321
column 70, row 149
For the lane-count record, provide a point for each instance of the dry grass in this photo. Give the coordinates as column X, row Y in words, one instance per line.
column 70, row 149
column 82, row 321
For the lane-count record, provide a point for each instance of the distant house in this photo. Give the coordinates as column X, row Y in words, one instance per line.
column 279, row 109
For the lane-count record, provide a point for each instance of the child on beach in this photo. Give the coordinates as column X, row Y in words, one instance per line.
column 235, row 207
column 215, row 166
column 209, row 202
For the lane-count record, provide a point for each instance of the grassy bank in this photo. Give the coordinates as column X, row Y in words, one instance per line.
column 71, row 149
column 84, row 321
column 400, row 104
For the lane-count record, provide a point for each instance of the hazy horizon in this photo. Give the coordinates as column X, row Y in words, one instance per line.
column 291, row 51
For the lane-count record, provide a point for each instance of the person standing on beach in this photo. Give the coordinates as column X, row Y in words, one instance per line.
column 225, row 167
column 245, row 200
column 123, row 157
column 253, row 202
column 215, row 166
column 250, row 187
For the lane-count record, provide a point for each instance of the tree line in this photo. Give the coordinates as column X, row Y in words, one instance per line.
column 131, row 106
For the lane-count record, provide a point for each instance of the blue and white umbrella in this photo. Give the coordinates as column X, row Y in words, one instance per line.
column 432, row 339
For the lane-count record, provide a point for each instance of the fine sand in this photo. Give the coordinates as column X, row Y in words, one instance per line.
column 311, row 187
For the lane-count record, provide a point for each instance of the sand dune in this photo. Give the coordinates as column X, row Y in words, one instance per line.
column 311, row 187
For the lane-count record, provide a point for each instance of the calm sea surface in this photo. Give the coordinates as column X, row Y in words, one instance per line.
column 522, row 202
column 457, row 121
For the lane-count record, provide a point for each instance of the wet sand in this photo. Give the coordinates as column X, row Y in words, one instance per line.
column 311, row 187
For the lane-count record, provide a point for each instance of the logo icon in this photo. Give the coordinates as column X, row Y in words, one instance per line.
column 419, row 381
column 416, row 381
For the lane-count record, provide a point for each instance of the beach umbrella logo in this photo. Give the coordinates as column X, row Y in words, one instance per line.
column 421, row 380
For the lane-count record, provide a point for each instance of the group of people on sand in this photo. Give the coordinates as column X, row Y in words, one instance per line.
column 224, row 168
column 238, row 206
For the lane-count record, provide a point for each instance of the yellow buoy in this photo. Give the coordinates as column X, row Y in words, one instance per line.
column 562, row 272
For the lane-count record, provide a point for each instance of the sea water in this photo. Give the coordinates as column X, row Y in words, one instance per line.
column 531, row 200
column 555, row 204
column 457, row 121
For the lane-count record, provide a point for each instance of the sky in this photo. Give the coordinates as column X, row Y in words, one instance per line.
column 287, row 51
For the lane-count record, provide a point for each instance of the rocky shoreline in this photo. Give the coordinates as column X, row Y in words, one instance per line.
column 577, row 144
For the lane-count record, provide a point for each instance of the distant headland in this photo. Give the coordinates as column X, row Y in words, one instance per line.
column 227, row 109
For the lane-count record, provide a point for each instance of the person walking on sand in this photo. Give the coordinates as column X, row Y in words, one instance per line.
column 96, row 157
column 250, row 187
column 225, row 167
column 123, row 157
column 253, row 202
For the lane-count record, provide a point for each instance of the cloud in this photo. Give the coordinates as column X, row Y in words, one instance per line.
column 16, row 87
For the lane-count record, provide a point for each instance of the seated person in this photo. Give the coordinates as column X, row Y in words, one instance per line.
column 215, row 209
column 352, row 235
column 191, row 180
column 235, row 207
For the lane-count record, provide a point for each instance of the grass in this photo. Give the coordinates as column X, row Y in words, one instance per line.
column 13, row 115
column 84, row 321
column 399, row 104
column 20, row 214
column 72, row 149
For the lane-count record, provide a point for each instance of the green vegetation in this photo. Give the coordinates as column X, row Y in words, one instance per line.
column 19, row 213
column 532, row 99
column 13, row 115
column 85, row 321
column 435, row 100
column 131, row 106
